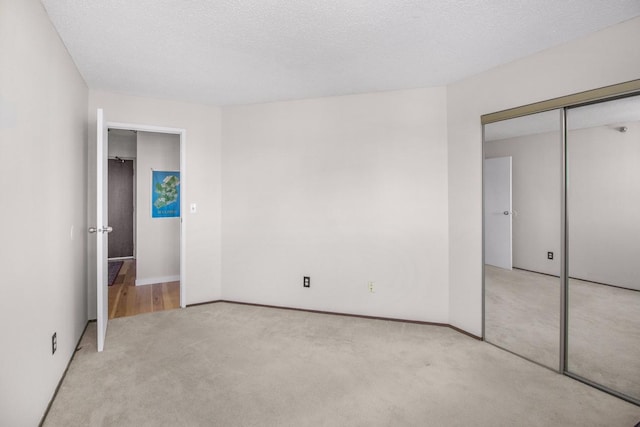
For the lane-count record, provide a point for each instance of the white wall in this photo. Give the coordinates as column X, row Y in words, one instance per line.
column 603, row 207
column 604, row 58
column 157, row 239
column 43, row 105
column 345, row 190
column 603, row 204
column 123, row 146
column 203, row 180
column 536, row 190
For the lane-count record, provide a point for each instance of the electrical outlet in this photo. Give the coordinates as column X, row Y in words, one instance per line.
column 306, row 282
column 371, row 287
column 54, row 342
column 549, row 255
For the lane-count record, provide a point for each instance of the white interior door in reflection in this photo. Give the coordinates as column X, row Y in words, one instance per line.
column 498, row 212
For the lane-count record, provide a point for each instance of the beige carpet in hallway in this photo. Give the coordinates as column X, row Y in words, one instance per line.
column 236, row 365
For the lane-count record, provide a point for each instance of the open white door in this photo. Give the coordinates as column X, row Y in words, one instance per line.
column 102, row 229
column 498, row 212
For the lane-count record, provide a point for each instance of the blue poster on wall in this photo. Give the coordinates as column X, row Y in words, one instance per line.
column 165, row 194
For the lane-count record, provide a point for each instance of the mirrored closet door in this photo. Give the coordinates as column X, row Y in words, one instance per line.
column 522, row 235
column 561, row 235
column 603, row 245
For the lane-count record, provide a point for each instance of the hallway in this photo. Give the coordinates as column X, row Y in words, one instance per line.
column 127, row 299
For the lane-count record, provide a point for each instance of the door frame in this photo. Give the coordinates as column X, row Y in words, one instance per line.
column 183, row 185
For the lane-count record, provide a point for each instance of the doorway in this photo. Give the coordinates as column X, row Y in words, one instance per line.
column 99, row 268
column 146, row 279
column 121, row 208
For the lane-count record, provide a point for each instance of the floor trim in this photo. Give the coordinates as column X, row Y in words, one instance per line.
column 334, row 313
column 577, row 278
column 64, row 374
column 155, row 280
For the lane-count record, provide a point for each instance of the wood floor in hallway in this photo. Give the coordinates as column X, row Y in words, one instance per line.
column 127, row 299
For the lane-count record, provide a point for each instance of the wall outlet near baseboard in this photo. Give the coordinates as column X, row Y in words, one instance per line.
column 371, row 287
column 549, row 255
column 306, row 282
column 54, row 343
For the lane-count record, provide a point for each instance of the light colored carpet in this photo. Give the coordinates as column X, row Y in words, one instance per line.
column 604, row 335
column 235, row 365
column 522, row 315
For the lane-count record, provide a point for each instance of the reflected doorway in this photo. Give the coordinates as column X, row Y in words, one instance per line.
column 497, row 212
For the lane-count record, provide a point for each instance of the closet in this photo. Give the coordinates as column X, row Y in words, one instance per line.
column 561, row 235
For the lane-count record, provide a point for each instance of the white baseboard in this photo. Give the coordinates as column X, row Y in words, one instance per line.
column 154, row 280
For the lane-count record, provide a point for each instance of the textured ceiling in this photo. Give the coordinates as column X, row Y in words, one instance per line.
column 245, row 51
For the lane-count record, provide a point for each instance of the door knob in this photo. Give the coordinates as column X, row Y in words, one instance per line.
column 506, row 212
column 107, row 229
column 92, row 230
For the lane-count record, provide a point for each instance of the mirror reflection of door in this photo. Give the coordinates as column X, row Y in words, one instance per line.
column 522, row 303
column 603, row 238
column 497, row 212
column 121, row 184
